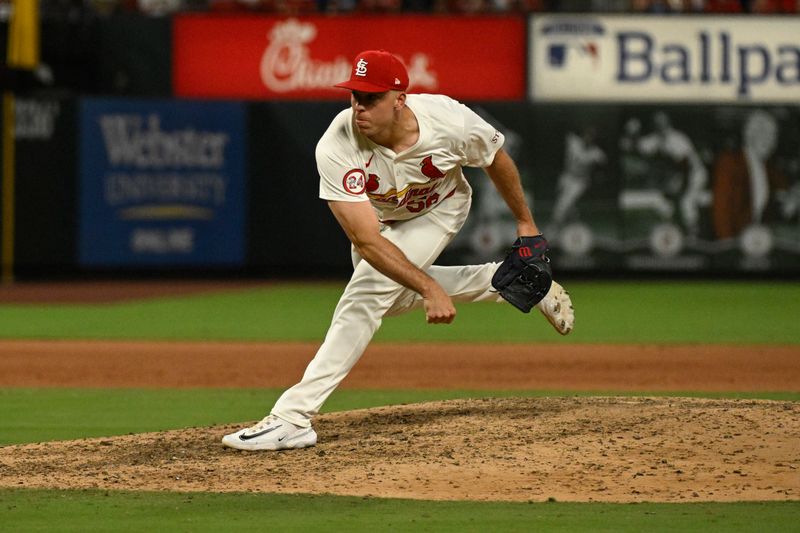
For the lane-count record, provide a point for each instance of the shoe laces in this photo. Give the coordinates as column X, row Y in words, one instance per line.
column 263, row 423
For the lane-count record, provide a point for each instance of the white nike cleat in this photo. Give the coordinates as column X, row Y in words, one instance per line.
column 272, row 433
column 557, row 309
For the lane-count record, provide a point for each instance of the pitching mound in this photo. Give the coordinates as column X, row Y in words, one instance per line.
column 576, row 449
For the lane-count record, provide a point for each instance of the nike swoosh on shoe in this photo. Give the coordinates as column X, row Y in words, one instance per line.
column 254, row 435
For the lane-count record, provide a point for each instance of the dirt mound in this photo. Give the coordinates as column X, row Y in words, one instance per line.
column 576, row 449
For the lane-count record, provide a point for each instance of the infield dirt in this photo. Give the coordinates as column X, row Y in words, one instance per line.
column 572, row 449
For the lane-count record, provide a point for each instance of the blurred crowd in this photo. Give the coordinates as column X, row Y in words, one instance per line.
column 465, row 7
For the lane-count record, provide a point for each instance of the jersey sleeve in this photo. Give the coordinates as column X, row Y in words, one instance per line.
column 481, row 140
column 340, row 178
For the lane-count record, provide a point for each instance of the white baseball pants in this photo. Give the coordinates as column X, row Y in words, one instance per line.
column 369, row 296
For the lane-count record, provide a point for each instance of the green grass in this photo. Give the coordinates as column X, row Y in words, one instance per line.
column 35, row 415
column 668, row 312
column 48, row 510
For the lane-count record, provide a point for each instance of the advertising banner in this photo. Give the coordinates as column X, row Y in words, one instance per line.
column 161, row 183
column 279, row 58
column 669, row 59
column 567, row 181
column 644, row 188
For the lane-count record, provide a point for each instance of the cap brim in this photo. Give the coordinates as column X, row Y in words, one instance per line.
column 363, row 86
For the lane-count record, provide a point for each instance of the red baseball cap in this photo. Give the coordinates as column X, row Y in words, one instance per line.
column 376, row 71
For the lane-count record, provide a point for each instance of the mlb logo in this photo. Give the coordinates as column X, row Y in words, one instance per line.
column 574, row 40
column 557, row 53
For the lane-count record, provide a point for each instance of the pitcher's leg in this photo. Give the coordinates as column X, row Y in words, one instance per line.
column 465, row 283
column 355, row 320
column 473, row 284
column 357, row 316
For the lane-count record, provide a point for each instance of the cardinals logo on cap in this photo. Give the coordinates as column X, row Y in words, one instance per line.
column 376, row 71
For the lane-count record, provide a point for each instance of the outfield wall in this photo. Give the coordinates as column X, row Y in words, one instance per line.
column 149, row 184
column 644, row 144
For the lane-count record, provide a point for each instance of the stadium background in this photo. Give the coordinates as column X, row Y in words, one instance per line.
column 90, row 199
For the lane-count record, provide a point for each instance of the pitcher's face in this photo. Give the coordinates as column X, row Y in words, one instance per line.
column 374, row 112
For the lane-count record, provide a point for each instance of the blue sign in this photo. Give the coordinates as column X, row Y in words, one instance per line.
column 162, row 182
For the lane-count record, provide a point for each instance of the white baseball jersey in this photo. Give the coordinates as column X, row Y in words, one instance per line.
column 404, row 185
column 401, row 187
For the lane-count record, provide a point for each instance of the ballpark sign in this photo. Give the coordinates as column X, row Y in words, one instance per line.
column 675, row 59
column 302, row 58
column 162, row 182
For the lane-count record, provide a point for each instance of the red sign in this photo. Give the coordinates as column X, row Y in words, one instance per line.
column 250, row 57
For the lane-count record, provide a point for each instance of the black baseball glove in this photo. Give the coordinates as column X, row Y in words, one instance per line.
column 524, row 277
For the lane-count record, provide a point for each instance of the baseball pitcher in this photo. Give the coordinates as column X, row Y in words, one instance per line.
column 390, row 169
